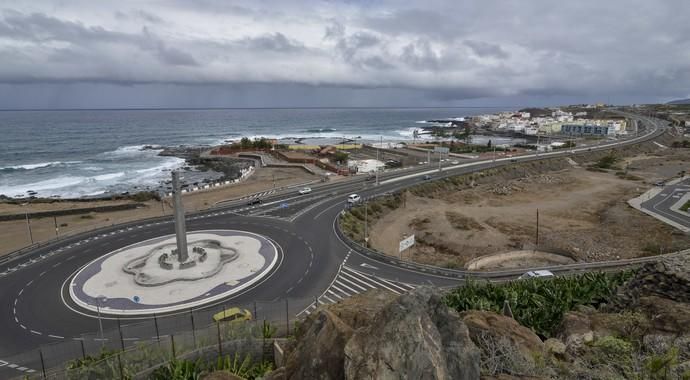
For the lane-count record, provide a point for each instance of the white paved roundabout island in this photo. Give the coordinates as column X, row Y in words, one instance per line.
column 148, row 277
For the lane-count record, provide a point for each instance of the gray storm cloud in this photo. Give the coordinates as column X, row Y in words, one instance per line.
column 445, row 50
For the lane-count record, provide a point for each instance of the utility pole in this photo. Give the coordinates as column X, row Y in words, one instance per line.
column 100, row 322
column 537, row 245
column 428, row 157
column 56, row 226
column 366, row 237
column 494, row 153
column 28, row 226
column 439, row 161
column 377, row 160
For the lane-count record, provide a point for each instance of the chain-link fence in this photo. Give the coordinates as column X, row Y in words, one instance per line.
column 127, row 348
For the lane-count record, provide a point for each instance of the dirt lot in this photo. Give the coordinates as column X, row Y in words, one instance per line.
column 14, row 234
column 581, row 212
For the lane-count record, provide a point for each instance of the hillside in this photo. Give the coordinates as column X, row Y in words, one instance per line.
column 679, row 101
column 603, row 327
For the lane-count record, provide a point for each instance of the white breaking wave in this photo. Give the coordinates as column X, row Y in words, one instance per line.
column 38, row 165
column 106, row 177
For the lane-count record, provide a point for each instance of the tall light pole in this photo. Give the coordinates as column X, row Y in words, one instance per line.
column 180, row 228
column 377, row 160
column 100, row 322
column 28, row 226
column 366, row 219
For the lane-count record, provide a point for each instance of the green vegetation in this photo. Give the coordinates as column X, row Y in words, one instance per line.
column 607, row 162
column 144, row 196
column 352, row 222
column 243, row 367
column 686, row 206
column 246, row 143
column 340, row 156
column 538, row 303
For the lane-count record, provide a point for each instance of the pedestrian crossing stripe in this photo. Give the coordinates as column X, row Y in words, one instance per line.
column 258, row 195
column 349, row 282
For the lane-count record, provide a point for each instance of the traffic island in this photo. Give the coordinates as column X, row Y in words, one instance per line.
column 148, row 278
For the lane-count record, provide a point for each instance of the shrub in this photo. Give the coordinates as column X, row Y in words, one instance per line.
column 538, row 303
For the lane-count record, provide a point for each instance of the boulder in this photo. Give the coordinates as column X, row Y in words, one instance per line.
column 414, row 337
column 666, row 316
column 486, row 322
column 319, row 350
column 554, row 347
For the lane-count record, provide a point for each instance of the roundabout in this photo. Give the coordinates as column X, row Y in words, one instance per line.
column 132, row 279
column 146, row 277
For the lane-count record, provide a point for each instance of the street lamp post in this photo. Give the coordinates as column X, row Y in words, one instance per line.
column 377, row 161
column 100, row 322
column 28, row 226
column 366, row 238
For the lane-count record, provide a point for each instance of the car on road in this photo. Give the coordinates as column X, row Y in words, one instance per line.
column 233, row 314
column 353, row 198
column 536, row 274
column 454, row 162
column 660, row 183
column 305, row 190
column 255, row 201
column 426, row 177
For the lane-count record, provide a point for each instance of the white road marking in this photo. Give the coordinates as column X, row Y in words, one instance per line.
column 57, row 336
column 36, row 332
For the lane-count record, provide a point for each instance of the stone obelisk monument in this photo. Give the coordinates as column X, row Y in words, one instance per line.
column 180, row 228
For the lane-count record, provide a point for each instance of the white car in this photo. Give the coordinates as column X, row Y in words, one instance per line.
column 305, row 190
column 455, row 162
column 353, row 198
column 535, row 274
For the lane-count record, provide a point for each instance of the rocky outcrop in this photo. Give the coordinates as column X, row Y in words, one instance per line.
column 668, row 278
column 414, row 337
column 378, row 336
column 483, row 323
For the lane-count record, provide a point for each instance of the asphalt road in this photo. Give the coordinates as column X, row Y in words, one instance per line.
column 662, row 202
column 34, row 311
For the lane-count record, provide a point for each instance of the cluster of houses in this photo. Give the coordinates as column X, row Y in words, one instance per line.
column 559, row 122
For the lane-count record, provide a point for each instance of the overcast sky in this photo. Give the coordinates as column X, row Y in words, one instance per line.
column 214, row 53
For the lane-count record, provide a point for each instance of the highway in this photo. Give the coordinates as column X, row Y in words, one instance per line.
column 319, row 263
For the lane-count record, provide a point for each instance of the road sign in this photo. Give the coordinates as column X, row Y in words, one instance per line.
column 441, row 149
column 406, row 243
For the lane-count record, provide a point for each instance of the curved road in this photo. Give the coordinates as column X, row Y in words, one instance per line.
column 35, row 312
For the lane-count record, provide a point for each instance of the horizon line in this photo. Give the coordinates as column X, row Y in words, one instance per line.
column 250, row 108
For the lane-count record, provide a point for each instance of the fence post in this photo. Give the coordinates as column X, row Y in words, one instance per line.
column 83, row 351
column 155, row 322
column 172, row 345
column 220, row 347
column 122, row 339
column 119, row 364
column 43, row 365
column 287, row 319
column 191, row 315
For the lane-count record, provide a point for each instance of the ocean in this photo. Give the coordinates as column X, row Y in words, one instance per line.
column 91, row 153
